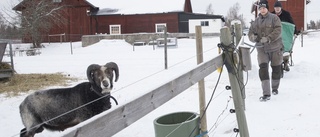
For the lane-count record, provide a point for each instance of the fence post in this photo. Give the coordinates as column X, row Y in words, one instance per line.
column 11, row 55
column 302, row 32
column 71, row 48
column 65, row 37
column 238, row 35
column 226, row 43
column 202, row 94
column 49, row 38
column 165, row 49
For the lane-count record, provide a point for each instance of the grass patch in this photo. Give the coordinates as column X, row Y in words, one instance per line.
column 4, row 66
column 21, row 83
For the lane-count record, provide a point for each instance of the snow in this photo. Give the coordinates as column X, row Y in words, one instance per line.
column 292, row 113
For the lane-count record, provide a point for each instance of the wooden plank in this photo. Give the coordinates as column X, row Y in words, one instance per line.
column 6, row 73
column 3, row 46
column 123, row 116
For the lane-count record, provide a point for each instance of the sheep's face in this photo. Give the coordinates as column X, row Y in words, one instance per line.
column 103, row 78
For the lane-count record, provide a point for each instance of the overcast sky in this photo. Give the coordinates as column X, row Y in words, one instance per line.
column 220, row 7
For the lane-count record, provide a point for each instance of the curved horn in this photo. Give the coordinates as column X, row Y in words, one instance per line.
column 90, row 69
column 115, row 68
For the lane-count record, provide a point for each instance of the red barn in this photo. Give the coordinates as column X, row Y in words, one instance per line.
column 296, row 9
column 78, row 22
column 88, row 17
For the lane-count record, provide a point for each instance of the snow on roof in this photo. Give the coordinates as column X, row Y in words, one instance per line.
column 137, row 6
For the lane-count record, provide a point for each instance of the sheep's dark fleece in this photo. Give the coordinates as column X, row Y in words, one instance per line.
column 61, row 108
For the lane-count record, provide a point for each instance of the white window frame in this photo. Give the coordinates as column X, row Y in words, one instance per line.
column 158, row 25
column 113, row 32
column 204, row 23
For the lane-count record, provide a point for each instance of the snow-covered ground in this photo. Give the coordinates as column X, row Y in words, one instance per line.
column 292, row 113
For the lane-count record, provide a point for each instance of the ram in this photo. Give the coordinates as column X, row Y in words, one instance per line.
column 61, row 108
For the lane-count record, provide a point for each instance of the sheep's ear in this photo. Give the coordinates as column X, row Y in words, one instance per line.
column 91, row 76
column 90, row 70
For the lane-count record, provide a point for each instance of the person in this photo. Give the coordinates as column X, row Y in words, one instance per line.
column 265, row 31
column 284, row 16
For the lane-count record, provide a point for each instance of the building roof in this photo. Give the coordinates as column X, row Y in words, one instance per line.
column 136, row 6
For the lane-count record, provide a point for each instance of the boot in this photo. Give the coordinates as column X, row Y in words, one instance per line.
column 275, row 92
column 286, row 67
column 264, row 98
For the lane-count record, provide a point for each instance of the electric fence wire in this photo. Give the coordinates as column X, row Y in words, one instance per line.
column 215, row 125
column 139, row 80
column 211, row 98
column 70, row 111
column 235, row 49
column 212, row 131
column 209, row 102
column 240, row 83
column 233, row 134
column 237, row 76
column 237, row 134
column 193, row 116
column 235, row 66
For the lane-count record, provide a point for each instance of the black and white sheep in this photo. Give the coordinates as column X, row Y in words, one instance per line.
column 61, row 108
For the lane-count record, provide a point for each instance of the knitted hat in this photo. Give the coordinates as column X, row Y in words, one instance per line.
column 263, row 3
column 277, row 4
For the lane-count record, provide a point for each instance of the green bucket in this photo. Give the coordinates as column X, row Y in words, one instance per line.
column 179, row 124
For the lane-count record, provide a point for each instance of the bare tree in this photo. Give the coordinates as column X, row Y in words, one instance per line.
column 312, row 25
column 308, row 1
column 233, row 15
column 38, row 17
column 8, row 29
column 318, row 24
column 209, row 9
column 2, row 25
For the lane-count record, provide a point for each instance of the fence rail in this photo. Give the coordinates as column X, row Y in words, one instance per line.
column 123, row 116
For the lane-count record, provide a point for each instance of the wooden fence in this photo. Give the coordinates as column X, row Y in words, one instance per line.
column 125, row 115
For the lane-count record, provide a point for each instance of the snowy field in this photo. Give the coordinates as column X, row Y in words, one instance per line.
column 292, row 113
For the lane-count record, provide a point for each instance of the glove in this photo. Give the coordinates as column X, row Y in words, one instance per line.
column 253, row 38
column 264, row 40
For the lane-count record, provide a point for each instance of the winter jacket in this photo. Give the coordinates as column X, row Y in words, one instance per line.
column 267, row 26
column 285, row 16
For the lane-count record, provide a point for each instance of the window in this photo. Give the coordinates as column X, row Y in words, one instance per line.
column 57, row 1
column 115, row 29
column 204, row 23
column 160, row 27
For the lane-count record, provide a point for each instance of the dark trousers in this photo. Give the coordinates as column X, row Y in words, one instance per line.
column 264, row 58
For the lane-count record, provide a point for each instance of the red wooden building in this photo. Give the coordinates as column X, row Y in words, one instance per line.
column 296, row 9
column 89, row 17
column 78, row 22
